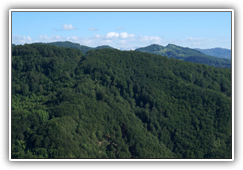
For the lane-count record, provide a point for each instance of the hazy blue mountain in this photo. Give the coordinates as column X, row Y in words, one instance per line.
column 216, row 52
column 187, row 54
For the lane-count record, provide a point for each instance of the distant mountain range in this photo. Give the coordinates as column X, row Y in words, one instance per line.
column 216, row 52
column 217, row 57
column 186, row 54
column 83, row 48
column 171, row 51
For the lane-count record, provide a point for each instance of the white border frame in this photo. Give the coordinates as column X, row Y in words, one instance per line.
column 122, row 10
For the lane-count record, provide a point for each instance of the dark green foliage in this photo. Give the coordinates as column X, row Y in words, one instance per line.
column 117, row 104
column 212, row 61
column 68, row 44
column 187, row 54
column 103, row 47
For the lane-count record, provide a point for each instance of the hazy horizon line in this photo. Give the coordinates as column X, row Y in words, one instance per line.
column 122, row 47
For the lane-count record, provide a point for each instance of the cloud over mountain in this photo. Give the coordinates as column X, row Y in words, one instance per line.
column 21, row 39
column 122, row 35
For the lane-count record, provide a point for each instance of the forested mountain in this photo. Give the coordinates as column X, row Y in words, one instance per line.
column 216, row 52
column 171, row 51
column 104, row 46
column 187, row 54
column 83, row 48
column 117, row 104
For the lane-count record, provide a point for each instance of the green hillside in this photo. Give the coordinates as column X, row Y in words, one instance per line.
column 117, row 104
column 83, row 48
column 187, row 54
column 103, row 47
column 216, row 52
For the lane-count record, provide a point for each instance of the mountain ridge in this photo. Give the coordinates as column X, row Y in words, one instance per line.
column 78, row 46
column 187, row 54
column 159, row 47
column 171, row 51
column 216, row 52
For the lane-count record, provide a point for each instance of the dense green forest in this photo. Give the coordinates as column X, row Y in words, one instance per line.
column 117, row 104
column 187, row 54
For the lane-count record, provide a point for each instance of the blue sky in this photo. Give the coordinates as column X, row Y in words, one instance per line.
column 124, row 29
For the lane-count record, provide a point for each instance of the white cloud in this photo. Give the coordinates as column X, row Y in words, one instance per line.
column 45, row 38
column 68, row 27
column 113, row 39
column 110, row 38
column 126, row 35
column 112, row 35
column 119, row 35
column 94, row 42
column 28, row 38
column 21, row 39
column 75, row 38
column 191, row 39
column 196, row 41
